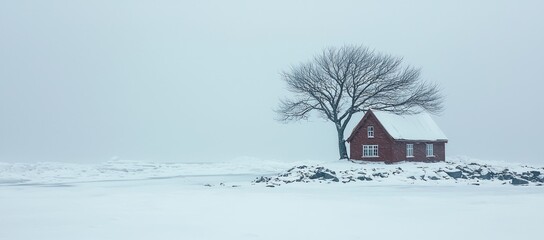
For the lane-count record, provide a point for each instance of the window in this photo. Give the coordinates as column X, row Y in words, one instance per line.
column 370, row 150
column 430, row 152
column 409, row 150
column 370, row 131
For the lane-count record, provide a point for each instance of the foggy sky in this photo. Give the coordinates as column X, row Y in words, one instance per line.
column 85, row 81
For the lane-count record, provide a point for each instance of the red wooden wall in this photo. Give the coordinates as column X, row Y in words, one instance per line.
column 390, row 150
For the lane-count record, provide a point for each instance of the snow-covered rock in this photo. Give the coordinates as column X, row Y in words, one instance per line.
column 456, row 172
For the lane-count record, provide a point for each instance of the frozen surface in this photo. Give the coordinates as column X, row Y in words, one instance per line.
column 410, row 127
column 131, row 200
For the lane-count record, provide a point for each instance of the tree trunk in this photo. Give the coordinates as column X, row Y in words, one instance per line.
column 342, row 144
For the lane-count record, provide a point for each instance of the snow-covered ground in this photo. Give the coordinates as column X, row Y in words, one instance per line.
column 136, row 200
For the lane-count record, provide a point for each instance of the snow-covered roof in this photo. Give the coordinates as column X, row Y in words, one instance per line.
column 410, row 127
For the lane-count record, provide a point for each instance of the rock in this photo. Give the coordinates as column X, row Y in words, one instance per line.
column 349, row 180
column 262, row 179
column 380, row 174
column 454, row 174
column 532, row 176
column 364, row 178
column 321, row 175
column 517, row 181
column 433, row 178
column 270, row 186
column 412, row 177
column 398, row 171
column 297, row 167
column 465, row 170
column 505, row 176
column 487, row 176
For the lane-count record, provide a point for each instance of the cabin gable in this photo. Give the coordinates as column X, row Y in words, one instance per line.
column 381, row 138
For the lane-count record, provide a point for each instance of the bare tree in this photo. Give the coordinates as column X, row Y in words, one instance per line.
column 340, row 82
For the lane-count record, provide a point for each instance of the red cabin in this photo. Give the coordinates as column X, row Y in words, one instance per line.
column 388, row 137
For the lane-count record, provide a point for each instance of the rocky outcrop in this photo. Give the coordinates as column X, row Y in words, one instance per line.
column 471, row 173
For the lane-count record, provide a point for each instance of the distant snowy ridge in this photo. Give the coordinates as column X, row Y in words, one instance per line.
column 53, row 173
column 449, row 172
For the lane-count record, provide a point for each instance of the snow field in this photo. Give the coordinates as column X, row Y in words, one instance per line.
column 165, row 209
column 130, row 200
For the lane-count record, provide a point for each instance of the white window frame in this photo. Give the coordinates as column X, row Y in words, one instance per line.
column 370, row 131
column 409, row 150
column 429, row 149
column 370, row 151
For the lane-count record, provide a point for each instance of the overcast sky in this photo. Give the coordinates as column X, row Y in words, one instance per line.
column 85, row 81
